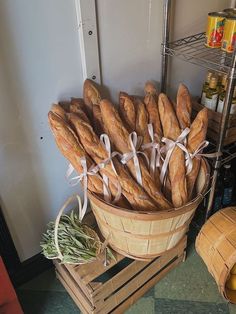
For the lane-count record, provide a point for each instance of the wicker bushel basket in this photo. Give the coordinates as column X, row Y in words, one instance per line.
column 145, row 235
column 216, row 244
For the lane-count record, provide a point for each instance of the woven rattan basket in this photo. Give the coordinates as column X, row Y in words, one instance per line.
column 216, row 244
column 145, row 235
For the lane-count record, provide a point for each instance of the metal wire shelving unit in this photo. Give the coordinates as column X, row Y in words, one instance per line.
column 192, row 50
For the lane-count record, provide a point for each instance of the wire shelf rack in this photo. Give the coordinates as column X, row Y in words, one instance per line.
column 193, row 50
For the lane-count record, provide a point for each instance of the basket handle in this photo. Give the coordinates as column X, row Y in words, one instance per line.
column 57, row 221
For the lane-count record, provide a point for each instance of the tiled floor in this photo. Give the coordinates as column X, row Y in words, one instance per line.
column 187, row 289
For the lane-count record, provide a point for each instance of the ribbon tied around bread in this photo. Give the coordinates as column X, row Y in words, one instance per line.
column 135, row 142
column 155, row 158
column 169, row 148
column 92, row 171
column 107, row 145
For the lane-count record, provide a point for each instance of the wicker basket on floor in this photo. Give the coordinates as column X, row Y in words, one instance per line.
column 146, row 235
column 216, row 244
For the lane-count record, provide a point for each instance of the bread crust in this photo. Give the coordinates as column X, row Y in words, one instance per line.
column 120, row 138
column 183, row 107
column 72, row 150
column 196, row 136
column 177, row 172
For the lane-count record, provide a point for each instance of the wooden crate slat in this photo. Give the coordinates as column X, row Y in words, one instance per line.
column 73, row 292
column 138, row 281
column 131, row 270
column 86, row 273
column 128, row 282
column 62, row 269
column 139, row 293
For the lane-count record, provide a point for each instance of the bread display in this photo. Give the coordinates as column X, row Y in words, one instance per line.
column 120, row 137
column 125, row 161
column 72, row 150
column 132, row 191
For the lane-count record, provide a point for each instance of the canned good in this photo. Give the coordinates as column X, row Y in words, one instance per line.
column 215, row 29
column 229, row 37
column 230, row 11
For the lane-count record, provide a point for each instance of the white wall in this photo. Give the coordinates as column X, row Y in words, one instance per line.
column 130, row 39
column 40, row 63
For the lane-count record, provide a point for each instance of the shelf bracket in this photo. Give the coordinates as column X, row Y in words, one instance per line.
column 88, row 39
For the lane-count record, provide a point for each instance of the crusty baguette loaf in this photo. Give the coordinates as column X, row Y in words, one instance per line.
column 120, row 138
column 183, row 107
column 153, row 114
column 196, row 136
column 58, row 110
column 79, row 102
column 135, row 195
column 127, row 110
column 91, row 95
column 141, row 125
column 177, row 173
column 98, row 125
column 151, row 90
column 72, row 150
column 77, row 109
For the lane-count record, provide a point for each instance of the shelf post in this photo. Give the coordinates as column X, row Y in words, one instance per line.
column 223, row 126
column 165, row 40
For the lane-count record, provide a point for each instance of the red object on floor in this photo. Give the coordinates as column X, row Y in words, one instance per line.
column 9, row 303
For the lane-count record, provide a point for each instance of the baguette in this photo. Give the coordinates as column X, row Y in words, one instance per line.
column 150, row 89
column 58, row 110
column 120, row 138
column 77, row 109
column 135, row 195
column 171, row 130
column 153, row 114
column 91, row 95
column 79, row 102
column 196, row 136
column 97, row 120
column 127, row 110
column 72, row 150
column 141, row 125
column 183, row 107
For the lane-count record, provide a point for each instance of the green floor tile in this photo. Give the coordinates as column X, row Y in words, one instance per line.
column 232, row 308
column 166, row 306
column 143, row 306
column 46, row 302
column 47, row 281
column 189, row 281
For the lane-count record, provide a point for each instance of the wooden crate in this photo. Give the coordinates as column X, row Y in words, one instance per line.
column 112, row 289
column 214, row 124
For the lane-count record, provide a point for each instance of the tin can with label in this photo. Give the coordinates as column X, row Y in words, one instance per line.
column 215, row 29
column 229, row 37
column 230, row 11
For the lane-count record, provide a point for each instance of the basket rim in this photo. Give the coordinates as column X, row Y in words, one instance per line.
column 151, row 215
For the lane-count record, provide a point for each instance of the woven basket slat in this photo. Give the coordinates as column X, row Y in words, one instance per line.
column 144, row 235
column 216, row 244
